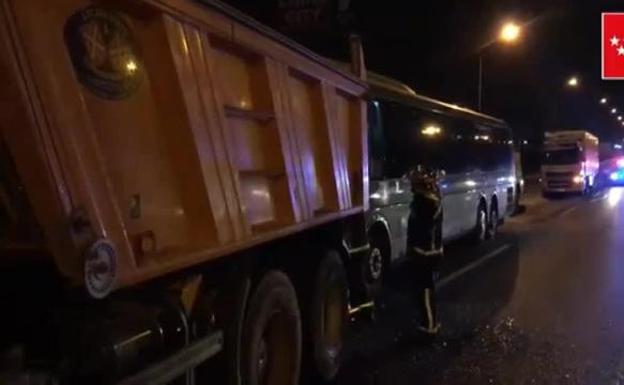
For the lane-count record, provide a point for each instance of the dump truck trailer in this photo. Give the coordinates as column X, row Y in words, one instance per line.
column 182, row 196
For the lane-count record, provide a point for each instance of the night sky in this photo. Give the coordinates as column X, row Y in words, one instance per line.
column 433, row 46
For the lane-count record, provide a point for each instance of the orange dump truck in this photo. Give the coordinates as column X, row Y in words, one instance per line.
column 182, row 194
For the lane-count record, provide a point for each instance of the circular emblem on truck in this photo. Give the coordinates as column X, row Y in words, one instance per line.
column 100, row 268
column 103, row 52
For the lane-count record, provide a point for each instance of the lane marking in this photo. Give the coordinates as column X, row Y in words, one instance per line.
column 600, row 198
column 468, row 268
column 568, row 211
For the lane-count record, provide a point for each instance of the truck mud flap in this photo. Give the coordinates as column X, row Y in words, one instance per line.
column 178, row 363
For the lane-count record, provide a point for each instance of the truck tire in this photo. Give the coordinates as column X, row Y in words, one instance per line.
column 329, row 316
column 272, row 334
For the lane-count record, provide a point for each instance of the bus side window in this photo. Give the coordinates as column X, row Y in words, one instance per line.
column 451, row 152
column 396, row 126
column 465, row 154
column 376, row 142
column 497, row 153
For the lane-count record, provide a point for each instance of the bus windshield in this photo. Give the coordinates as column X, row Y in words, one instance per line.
column 561, row 157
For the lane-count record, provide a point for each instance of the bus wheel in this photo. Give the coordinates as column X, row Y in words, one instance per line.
column 329, row 316
column 493, row 222
column 272, row 334
column 375, row 265
column 481, row 226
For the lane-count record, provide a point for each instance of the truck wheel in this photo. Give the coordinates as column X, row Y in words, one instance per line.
column 272, row 334
column 329, row 316
column 479, row 234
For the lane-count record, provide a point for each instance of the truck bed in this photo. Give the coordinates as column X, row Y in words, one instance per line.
column 171, row 132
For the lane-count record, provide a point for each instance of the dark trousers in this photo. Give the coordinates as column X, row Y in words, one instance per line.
column 425, row 273
column 425, row 251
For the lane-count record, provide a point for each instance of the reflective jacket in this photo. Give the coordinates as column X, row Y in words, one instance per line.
column 424, row 238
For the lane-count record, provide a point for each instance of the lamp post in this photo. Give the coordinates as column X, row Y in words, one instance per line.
column 509, row 34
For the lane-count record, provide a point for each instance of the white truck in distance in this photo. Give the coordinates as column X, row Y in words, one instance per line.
column 570, row 162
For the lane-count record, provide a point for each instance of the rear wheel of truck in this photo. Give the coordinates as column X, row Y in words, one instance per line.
column 329, row 316
column 272, row 334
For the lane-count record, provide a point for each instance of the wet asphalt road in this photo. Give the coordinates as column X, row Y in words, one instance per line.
column 542, row 304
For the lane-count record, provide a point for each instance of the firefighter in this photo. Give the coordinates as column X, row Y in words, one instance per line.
column 424, row 242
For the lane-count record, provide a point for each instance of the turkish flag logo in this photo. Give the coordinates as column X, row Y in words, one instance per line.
column 613, row 46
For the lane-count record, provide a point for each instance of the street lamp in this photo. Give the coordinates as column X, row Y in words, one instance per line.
column 573, row 82
column 603, row 101
column 614, row 111
column 509, row 33
column 619, row 118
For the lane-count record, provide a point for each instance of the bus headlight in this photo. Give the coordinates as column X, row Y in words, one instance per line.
column 578, row 179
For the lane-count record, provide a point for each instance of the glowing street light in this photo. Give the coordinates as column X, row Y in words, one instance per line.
column 619, row 118
column 614, row 111
column 510, row 32
column 573, row 82
column 431, row 130
column 603, row 101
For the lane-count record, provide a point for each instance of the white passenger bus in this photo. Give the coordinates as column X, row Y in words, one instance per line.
column 472, row 152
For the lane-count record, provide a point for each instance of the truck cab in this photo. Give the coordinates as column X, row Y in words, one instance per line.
column 570, row 162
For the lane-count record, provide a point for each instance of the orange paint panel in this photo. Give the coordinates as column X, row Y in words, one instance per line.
column 187, row 51
column 251, row 141
column 231, row 136
column 277, row 73
column 129, row 131
column 314, row 143
column 305, row 107
column 242, row 78
column 258, row 199
column 348, row 128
